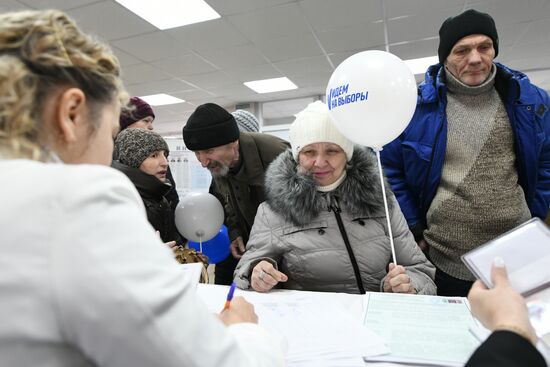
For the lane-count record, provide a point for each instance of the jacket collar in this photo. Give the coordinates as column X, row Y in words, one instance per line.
column 251, row 167
column 510, row 84
column 294, row 195
column 147, row 185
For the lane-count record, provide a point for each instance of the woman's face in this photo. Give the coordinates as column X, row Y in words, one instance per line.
column 144, row 123
column 325, row 161
column 87, row 137
column 97, row 145
column 155, row 165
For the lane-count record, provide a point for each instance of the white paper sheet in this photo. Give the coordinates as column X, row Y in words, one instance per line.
column 192, row 272
column 319, row 328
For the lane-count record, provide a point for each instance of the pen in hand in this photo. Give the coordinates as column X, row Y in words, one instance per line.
column 229, row 296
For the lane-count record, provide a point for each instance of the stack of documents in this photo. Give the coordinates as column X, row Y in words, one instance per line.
column 424, row 330
column 319, row 332
column 318, row 327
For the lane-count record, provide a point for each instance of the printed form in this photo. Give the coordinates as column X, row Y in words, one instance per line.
column 426, row 330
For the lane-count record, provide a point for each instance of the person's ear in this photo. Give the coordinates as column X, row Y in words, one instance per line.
column 71, row 112
column 236, row 145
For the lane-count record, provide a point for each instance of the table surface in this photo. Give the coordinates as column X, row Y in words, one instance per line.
column 214, row 297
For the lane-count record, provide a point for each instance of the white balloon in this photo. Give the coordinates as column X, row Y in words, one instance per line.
column 199, row 216
column 372, row 97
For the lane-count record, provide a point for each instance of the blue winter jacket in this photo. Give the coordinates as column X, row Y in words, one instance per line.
column 414, row 161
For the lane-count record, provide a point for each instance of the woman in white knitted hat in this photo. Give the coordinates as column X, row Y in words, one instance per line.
column 323, row 225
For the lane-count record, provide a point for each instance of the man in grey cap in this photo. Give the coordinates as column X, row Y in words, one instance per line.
column 474, row 161
column 246, row 121
column 237, row 161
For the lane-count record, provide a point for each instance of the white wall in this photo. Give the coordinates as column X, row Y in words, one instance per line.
column 186, row 169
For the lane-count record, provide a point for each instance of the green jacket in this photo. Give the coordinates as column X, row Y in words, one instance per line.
column 242, row 192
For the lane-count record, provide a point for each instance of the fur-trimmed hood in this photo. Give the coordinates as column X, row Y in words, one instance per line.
column 294, row 195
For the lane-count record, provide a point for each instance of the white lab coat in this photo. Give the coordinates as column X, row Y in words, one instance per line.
column 85, row 281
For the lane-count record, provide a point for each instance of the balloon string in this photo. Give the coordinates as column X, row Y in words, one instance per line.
column 377, row 150
column 200, row 244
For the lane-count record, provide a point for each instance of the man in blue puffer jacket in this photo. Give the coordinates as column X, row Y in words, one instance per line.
column 474, row 161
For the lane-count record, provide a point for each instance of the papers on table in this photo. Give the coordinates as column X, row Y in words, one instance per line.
column 425, row 330
column 526, row 253
column 318, row 329
column 538, row 305
column 318, row 332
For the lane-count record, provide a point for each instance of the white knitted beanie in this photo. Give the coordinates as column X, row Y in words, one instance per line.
column 315, row 125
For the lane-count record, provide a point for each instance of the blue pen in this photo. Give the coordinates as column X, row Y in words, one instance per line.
column 229, row 296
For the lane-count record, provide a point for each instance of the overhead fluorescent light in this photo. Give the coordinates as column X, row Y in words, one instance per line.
column 161, row 99
column 271, row 85
column 420, row 65
column 165, row 14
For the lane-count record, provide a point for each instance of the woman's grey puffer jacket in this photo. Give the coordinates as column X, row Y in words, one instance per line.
column 296, row 229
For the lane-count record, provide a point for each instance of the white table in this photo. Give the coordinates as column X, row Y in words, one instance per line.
column 214, row 296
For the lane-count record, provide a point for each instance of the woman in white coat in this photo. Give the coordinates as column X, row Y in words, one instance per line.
column 84, row 279
column 323, row 225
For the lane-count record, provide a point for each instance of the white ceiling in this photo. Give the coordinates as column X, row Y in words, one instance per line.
column 303, row 40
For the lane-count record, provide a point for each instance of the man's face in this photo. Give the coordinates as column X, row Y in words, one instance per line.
column 218, row 160
column 471, row 59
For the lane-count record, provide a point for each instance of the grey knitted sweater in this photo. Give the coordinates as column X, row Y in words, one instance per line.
column 478, row 197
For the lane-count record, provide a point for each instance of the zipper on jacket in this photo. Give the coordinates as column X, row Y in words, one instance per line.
column 333, row 205
column 423, row 191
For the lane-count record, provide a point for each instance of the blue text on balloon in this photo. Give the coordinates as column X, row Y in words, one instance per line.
column 339, row 96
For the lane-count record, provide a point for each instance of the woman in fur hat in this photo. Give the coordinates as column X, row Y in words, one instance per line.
column 142, row 157
column 323, row 225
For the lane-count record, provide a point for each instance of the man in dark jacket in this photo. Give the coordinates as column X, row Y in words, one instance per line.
column 473, row 162
column 237, row 162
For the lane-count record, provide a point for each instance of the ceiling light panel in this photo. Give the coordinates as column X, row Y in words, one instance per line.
column 165, row 14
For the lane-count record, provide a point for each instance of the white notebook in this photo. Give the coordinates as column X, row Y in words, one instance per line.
column 526, row 253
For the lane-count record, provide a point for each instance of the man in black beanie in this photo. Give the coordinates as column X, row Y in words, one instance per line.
column 237, row 162
column 473, row 162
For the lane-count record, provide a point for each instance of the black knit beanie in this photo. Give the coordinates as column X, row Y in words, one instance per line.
column 208, row 127
column 135, row 145
column 469, row 22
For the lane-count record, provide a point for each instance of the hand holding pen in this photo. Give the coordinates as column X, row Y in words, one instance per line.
column 237, row 310
column 229, row 296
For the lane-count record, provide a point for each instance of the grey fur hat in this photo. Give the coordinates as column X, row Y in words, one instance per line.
column 135, row 145
column 246, row 121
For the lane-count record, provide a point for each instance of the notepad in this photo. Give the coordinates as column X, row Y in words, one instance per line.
column 526, row 253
